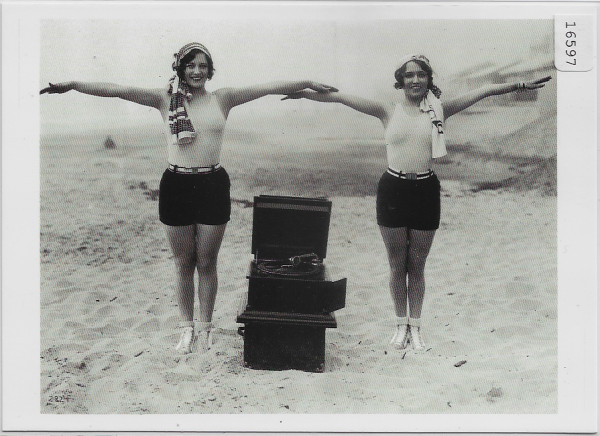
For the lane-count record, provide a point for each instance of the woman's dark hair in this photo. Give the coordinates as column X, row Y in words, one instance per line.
column 399, row 75
column 188, row 58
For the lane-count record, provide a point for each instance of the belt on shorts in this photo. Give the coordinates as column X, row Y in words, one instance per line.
column 410, row 176
column 194, row 170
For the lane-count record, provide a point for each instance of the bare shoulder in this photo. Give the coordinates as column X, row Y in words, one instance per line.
column 225, row 95
column 225, row 98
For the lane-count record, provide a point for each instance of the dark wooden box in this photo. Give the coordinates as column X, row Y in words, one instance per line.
column 286, row 316
column 280, row 341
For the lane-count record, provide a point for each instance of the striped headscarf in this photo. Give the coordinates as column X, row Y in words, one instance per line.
column 182, row 131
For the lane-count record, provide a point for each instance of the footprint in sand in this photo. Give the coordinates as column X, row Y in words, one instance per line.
column 72, row 325
column 60, row 295
column 156, row 309
column 152, row 325
column 111, row 329
column 105, row 311
column 87, row 334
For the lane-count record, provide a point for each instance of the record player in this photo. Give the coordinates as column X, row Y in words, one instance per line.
column 291, row 298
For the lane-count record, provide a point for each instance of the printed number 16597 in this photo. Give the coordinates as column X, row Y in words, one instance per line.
column 571, row 42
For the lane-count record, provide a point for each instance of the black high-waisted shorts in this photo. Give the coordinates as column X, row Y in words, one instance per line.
column 414, row 204
column 186, row 199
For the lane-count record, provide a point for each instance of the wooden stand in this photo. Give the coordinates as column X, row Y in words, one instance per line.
column 278, row 341
column 285, row 317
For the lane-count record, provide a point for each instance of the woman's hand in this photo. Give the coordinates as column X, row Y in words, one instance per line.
column 319, row 87
column 296, row 95
column 232, row 97
column 57, row 88
column 535, row 84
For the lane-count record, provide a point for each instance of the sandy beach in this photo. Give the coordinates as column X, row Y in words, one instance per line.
column 108, row 312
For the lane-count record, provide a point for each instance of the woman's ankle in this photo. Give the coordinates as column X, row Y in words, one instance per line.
column 401, row 320
column 415, row 322
column 203, row 326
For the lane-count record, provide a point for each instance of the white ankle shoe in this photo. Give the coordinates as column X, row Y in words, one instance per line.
column 416, row 338
column 204, row 335
column 415, row 333
column 401, row 337
column 186, row 340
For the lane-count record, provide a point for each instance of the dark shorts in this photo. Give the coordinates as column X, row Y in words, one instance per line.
column 186, row 199
column 414, row 204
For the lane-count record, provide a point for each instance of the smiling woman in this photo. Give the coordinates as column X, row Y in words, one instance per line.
column 408, row 194
column 194, row 199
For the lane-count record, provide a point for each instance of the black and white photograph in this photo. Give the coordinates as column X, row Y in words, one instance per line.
column 231, row 219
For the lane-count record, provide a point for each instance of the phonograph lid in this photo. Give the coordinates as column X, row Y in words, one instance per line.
column 290, row 226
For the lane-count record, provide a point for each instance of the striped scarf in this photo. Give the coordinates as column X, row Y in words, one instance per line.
column 182, row 131
column 433, row 106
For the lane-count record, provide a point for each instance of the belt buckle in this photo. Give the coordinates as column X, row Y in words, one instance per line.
column 195, row 170
column 411, row 176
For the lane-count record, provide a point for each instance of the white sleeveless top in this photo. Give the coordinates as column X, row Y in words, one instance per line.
column 408, row 141
column 205, row 149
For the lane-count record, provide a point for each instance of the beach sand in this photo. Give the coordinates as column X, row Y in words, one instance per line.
column 108, row 312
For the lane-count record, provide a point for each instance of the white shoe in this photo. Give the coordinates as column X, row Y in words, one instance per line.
column 401, row 337
column 204, row 335
column 186, row 340
column 416, row 339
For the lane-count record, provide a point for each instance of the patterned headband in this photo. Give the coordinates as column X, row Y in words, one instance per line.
column 185, row 50
column 412, row 57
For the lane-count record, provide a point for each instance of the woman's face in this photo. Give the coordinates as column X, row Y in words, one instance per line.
column 415, row 81
column 196, row 71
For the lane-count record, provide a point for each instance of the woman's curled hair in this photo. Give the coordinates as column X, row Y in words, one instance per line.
column 399, row 75
column 188, row 58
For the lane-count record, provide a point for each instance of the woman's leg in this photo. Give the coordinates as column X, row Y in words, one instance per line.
column 395, row 240
column 419, row 243
column 183, row 245
column 208, row 243
column 418, row 248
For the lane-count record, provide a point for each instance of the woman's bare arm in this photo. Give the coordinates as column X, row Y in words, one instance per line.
column 231, row 97
column 366, row 106
column 147, row 97
column 462, row 102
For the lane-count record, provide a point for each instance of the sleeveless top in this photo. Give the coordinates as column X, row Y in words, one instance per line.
column 408, row 141
column 205, row 149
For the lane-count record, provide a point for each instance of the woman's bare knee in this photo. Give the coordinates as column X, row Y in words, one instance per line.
column 185, row 264
column 206, row 263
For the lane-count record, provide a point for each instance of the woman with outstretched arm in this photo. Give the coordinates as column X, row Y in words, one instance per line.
column 408, row 193
column 194, row 200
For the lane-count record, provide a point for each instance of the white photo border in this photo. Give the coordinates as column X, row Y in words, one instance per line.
column 577, row 229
